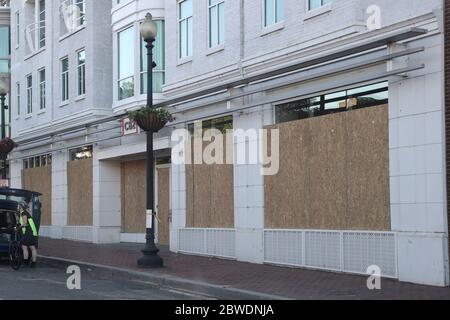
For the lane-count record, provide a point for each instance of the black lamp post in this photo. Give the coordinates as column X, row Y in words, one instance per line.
column 4, row 89
column 150, row 258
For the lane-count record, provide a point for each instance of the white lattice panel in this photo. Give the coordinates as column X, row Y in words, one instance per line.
column 192, row 241
column 221, row 242
column 363, row 249
column 323, row 249
column 283, row 247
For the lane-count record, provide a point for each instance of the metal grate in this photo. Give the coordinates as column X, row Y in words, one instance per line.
column 362, row 250
column 221, row 243
column 283, row 247
column 211, row 242
column 347, row 251
column 323, row 250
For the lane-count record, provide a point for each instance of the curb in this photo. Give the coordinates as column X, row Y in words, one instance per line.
column 214, row 291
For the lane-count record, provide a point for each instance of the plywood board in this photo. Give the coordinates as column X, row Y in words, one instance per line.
column 79, row 192
column 334, row 173
column 40, row 180
column 163, row 205
column 134, row 188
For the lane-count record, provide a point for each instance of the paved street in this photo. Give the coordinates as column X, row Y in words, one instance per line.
column 47, row 282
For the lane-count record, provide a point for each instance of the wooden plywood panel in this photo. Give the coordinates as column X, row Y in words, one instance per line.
column 333, row 173
column 40, row 180
column 210, row 195
column 163, row 205
column 134, row 188
column 368, row 167
column 79, row 192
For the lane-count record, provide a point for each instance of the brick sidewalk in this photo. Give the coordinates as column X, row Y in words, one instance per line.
column 286, row 282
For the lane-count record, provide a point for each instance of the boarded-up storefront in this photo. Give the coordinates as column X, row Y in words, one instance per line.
column 39, row 179
column 79, row 192
column 334, row 173
column 134, row 199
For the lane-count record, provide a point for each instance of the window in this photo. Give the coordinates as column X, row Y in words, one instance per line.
column 125, row 40
column 17, row 28
column 81, row 153
column 216, row 22
column 4, row 49
column 158, row 57
column 185, row 28
column 38, row 161
column 65, row 79
column 315, row 4
column 81, row 72
column 18, row 98
column 347, row 100
column 81, row 5
column 42, row 89
column 41, row 25
column 29, row 94
column 273, row 12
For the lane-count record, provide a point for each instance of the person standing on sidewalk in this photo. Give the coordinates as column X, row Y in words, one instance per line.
column 29, row 234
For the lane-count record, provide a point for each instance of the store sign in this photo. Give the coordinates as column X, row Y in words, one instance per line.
column 129, row 127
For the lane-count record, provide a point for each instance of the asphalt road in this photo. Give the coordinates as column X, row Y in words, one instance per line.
column 49, row 283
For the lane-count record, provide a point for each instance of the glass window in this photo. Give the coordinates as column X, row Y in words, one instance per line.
column 42, row 103
column 81, row 72
column 315, row 4
column 185, row 28
column 273, row 12
column 17, row 28
column 18, row 97
column 29, row 94
column 4, row 49
column 125, row 41
column 216, row 22
column 346, row 100
column 65, row 79
column 158, row 57
column 41, row 23
column 81, row 153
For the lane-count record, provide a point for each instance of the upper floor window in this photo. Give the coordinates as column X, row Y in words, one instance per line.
column 29, row 94
column 216, row 22
column 185, row 30
column 273, row 12
column 315, row 4
column 18, row 97
column 4, row 49
column 125, row 46
column 41, row 25
column 158, row 58
column 65, row 79
column 81, row 72
column 17, row 28
column 42, row 102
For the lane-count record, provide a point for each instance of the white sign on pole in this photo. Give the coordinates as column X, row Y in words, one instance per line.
column 129, row 127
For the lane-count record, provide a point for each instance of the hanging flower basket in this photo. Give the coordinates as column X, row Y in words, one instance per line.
column 151, row 119
column 6, row 146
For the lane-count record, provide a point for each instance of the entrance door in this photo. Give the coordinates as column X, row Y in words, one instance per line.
column 163, row 204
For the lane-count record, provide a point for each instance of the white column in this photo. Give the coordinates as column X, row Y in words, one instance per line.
column 15, row 169
column 417, row 170
column 178, row 198
column 106, row 201
column 249, row 189
column 59, row 194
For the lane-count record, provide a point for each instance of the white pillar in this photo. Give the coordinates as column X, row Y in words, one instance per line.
column 59, row 194
column 417, row 170
column 106, row 201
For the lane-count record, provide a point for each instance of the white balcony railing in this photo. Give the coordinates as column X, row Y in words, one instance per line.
column 35, row 36
column 73, row 14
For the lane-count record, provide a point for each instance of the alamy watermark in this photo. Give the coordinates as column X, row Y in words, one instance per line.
column 74, row 280
column 374, row 280
column 233, row 147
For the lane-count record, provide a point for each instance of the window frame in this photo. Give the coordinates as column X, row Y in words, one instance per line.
column 29, row 79
column 42, row 89
column 275, row 22
column 219, row 24
column 65, row 92
column 322, row 5
column 133, row 73
column 81, row 67
column 185, row 20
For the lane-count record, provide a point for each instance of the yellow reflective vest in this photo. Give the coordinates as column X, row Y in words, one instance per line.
column 31, row 224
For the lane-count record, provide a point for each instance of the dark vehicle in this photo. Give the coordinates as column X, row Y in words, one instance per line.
column 9, row 225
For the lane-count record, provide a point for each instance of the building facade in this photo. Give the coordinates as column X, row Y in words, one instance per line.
column 354, row 90
column 5, row 50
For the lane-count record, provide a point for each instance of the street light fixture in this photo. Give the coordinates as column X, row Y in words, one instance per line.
column 150, row 258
